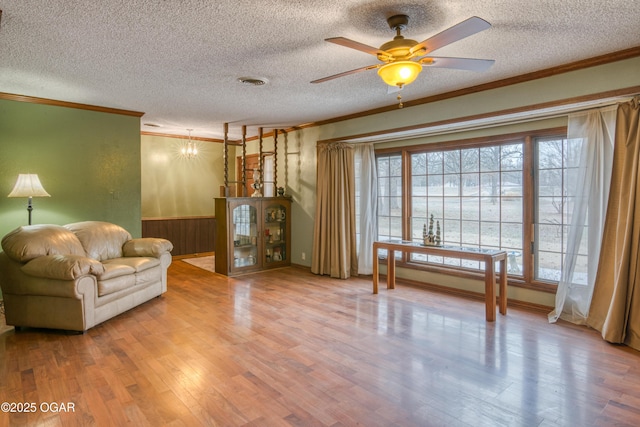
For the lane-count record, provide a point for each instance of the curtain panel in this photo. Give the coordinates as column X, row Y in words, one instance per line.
column 368, row 208
column 589, row 153
column 334, row 236
column 615, row 308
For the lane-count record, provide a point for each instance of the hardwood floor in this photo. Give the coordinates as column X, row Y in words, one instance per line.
column 287, row 348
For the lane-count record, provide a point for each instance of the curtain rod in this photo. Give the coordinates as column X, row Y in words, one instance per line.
column 485, row 122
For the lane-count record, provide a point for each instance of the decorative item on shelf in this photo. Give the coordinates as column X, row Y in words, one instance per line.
column 28, row 185
column 257, row 185
column 428, row 237
column 281, row 191
column 190, row 150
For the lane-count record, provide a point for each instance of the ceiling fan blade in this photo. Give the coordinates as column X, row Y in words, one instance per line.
column 346, row 73
column 459, row 31
column 356, row 45
column 470, row 64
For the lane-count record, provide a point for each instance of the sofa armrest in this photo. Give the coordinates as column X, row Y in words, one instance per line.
column 146, row 247
column 62, row 267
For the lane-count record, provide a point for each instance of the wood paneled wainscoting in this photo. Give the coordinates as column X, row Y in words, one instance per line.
column 189, row 235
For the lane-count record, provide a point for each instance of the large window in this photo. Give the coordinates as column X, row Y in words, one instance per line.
column 389, row 197
column 503, row 193
column 474, row 195
column 556, row 166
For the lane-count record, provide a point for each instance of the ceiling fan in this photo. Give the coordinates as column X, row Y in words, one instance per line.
column 402, row 59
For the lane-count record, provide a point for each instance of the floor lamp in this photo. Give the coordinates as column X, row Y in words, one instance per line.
column 28, row 185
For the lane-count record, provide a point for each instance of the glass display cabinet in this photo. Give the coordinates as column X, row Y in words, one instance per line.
column 276, row 233
column 253, row 233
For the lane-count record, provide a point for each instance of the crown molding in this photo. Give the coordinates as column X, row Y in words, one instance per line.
column 46, row 101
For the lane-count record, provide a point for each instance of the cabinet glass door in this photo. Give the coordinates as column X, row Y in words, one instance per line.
column 275, row 229
column 245, row 236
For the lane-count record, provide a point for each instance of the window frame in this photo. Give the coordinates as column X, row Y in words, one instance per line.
column 528, row 139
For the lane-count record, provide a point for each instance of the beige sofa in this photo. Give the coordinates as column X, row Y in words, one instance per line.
column 76, row 276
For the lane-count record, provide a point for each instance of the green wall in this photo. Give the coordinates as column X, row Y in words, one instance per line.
column 88, row 161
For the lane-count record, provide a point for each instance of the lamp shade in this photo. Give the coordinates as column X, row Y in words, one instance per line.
column 28, row 185
column 399, row 73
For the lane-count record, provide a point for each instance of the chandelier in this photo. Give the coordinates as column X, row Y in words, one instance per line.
column 191, row 149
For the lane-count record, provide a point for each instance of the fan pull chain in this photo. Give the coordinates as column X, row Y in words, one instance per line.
column 400, row 104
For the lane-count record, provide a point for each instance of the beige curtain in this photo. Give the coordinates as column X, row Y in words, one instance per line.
column 334, row 236
column 615, row 307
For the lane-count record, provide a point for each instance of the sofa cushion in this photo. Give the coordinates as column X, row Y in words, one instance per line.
column 101, row 240
column 28, row 242
column 146, row 246
column 138, row 264
column 150, row 276
column 62, row 267
column 112, row 270
column 115, row 284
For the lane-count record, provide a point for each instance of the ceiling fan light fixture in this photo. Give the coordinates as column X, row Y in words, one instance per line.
column 399, row 73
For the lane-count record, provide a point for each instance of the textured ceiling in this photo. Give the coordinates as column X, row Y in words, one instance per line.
column 179, row 61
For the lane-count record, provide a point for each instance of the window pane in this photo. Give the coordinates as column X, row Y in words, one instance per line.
column 490, row 185
column 395, row 206
column 580, row 271
column 550, row 237
column 434, row 162
column 490, row 234
column 512, row 183
column 383, row 206
column 451, row 232
column 490, row 158
column 470, row 208
column 511, row 157
column 470, row 233
column 451, row 208
column 490, row 208
column 419, row 207
column 419, row 185
column 434, row 207
column 417, row 228
column 470, row 184
column 452, row 185
column 395, row 227
column 383, row 227
column 419, row 164
column 435, row 185
column 550, row 210
column 470, row 160
column 511, row 209
column 452, row 161
column 395, row 166
column 511, row 235
column 550, row 182
column 550, row 153
column 549, row 266
column 395, row 186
